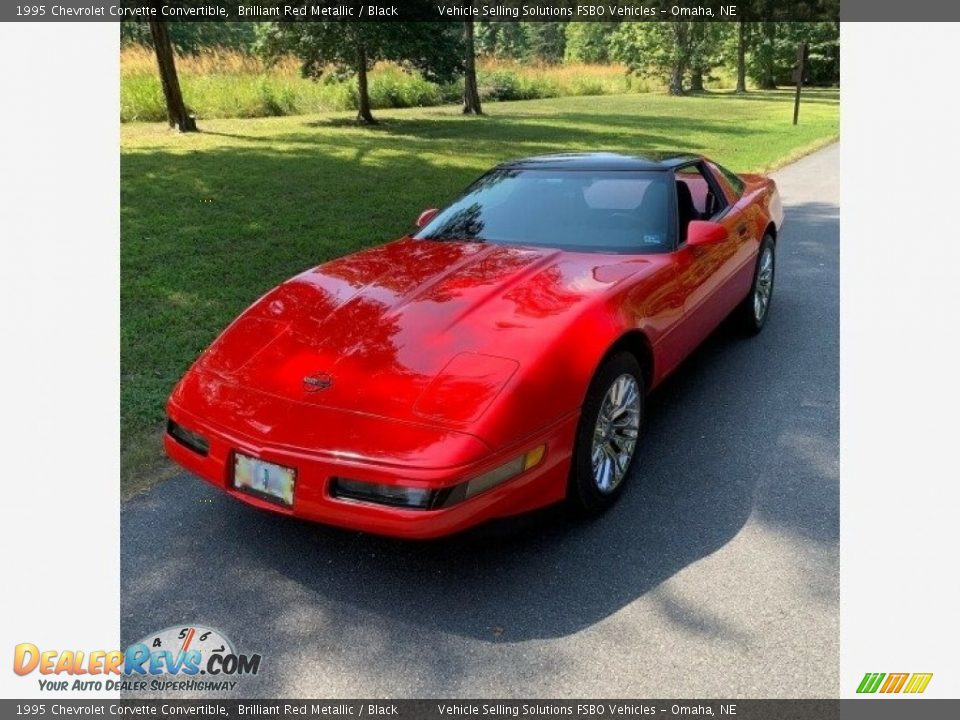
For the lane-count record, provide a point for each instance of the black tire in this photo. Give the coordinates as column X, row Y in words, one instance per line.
column 583, row 491
column 746, row 313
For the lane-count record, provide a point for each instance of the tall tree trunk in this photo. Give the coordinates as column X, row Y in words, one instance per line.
column 767, row 80
column 696, row 80
column 681, row 52
column 741, row 57
column 176, row 110
column 676, row 79
column 364, row 116
column 471, row 96
column 698, row 49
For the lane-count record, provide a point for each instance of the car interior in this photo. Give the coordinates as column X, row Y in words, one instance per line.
column 695, row 199
column 686, row 210
column 612, row 212
column 589, row 212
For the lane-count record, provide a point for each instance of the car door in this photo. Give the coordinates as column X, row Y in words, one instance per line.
column 747, row 222
column 705, row 273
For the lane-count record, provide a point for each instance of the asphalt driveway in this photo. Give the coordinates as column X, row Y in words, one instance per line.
column 716, row 575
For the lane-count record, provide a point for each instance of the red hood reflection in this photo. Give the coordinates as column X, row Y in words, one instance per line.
column 370, row 332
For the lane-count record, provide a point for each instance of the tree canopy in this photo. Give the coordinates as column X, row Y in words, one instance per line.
column 433, row 48
column 589, row 42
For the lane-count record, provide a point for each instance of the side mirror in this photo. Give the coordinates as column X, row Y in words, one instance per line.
column 705, row 232
column 426, row 216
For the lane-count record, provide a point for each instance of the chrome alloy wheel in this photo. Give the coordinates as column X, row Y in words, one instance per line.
column 615, row 434
column 764, row 289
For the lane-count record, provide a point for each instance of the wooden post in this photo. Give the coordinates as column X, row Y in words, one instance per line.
column 799, row 70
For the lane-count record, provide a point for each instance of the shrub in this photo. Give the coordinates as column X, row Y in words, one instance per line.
column 498, row 85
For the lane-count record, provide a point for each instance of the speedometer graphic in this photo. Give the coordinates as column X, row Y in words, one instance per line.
column 184, row 638
column 175, row 658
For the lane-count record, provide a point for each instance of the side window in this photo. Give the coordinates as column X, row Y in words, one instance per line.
column 736, row 184
column 701, row 191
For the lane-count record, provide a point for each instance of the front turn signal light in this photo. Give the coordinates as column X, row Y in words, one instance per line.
column 510, row 470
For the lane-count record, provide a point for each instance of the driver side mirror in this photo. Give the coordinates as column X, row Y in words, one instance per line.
column 705, row 232
column 426, row 216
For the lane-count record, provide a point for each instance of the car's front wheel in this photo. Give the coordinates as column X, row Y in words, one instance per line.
column 608, row 433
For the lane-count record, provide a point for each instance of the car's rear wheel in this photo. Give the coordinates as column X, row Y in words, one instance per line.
column 608, row 433
column 755, row 308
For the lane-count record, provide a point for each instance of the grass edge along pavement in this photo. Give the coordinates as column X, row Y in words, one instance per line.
column 210, row 221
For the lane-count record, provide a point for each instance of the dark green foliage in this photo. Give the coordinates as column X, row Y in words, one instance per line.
column 501, row 39
column 774, row 51
column 679, row 52
column 546, row 41
column 500, row 85
column 705, row 50
column 589, row 42
column 541, row 41
column 191, row 37
column 659, row 49
column 433, row 48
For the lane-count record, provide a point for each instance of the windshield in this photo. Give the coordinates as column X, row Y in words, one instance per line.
column 614, row 211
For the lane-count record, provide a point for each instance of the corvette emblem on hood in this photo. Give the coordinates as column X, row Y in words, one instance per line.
column 315, row 383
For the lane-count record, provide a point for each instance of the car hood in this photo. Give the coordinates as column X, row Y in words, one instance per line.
column 413, row 330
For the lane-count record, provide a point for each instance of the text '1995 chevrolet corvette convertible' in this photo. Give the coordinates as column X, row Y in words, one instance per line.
column 493, row 362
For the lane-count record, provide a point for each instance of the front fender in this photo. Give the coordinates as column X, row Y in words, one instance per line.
column 552, row 384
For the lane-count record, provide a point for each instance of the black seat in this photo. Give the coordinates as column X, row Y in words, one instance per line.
column 652, row 219
column 685, row 209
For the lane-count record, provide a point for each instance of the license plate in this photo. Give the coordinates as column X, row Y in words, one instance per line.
column 263, row 479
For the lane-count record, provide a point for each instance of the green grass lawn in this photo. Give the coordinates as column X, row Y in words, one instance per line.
column 212, row 220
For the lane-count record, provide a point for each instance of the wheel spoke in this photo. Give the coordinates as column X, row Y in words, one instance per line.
column 617, row 397
column 623, row 459
column 606, row 473
column 626, row 433
column 596, row 457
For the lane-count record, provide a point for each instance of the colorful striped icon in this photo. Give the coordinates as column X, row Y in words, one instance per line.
column 894, row 683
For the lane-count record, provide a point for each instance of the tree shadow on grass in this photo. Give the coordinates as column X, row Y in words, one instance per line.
column 817, row 96
column 586, row 127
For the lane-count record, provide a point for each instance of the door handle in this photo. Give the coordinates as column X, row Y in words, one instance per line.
column 743, row 231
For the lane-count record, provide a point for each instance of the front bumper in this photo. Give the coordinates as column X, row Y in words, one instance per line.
column 542, row 485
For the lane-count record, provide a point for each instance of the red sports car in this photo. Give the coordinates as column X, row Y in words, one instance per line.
column 493, row 362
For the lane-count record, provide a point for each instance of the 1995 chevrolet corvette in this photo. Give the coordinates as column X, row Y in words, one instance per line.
column 494, row 361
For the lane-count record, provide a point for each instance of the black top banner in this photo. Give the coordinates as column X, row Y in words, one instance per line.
column 425, row 10
column 479, row 10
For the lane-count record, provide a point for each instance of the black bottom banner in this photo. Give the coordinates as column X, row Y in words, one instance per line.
column 866, row 709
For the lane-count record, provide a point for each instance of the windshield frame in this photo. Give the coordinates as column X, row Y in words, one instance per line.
column 671, row 209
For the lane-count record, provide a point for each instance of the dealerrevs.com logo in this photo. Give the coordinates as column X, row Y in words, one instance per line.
column 911, row 683
column 191, row 658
